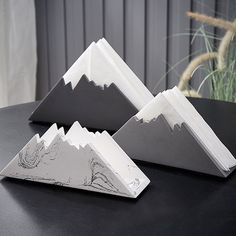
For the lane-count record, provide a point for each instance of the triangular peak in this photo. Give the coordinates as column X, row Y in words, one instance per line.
column 80, row 67
column 49, row 135
column 160, row 105
column 110, row 151
column 79, row 136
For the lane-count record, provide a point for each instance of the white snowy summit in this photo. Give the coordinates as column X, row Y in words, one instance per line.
column 78, row 159
column 101, row 64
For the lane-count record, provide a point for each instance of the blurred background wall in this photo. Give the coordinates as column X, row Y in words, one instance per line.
column 151, row 36
column 154, row 37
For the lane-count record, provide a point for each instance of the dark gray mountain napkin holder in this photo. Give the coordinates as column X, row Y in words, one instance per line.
column 92, row 105
column 156, row 142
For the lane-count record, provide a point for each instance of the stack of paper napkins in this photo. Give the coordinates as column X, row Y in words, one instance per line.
column 99, row 90
column 169, row 131
column 78, row 159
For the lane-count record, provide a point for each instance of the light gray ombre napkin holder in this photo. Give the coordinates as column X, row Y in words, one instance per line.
column 157, row 142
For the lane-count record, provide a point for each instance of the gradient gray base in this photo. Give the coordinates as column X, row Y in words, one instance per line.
column 93, row 106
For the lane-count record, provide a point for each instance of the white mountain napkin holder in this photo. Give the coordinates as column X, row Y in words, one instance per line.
column 79, row 159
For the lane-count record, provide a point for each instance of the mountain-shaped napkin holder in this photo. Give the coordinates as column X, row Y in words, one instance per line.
column 68, row 160
column 92, row 105
column 157, row 142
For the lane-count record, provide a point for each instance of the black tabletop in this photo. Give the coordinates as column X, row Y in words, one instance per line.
column 176, row 202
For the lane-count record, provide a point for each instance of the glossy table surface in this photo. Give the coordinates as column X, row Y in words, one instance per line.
column 177, row 202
